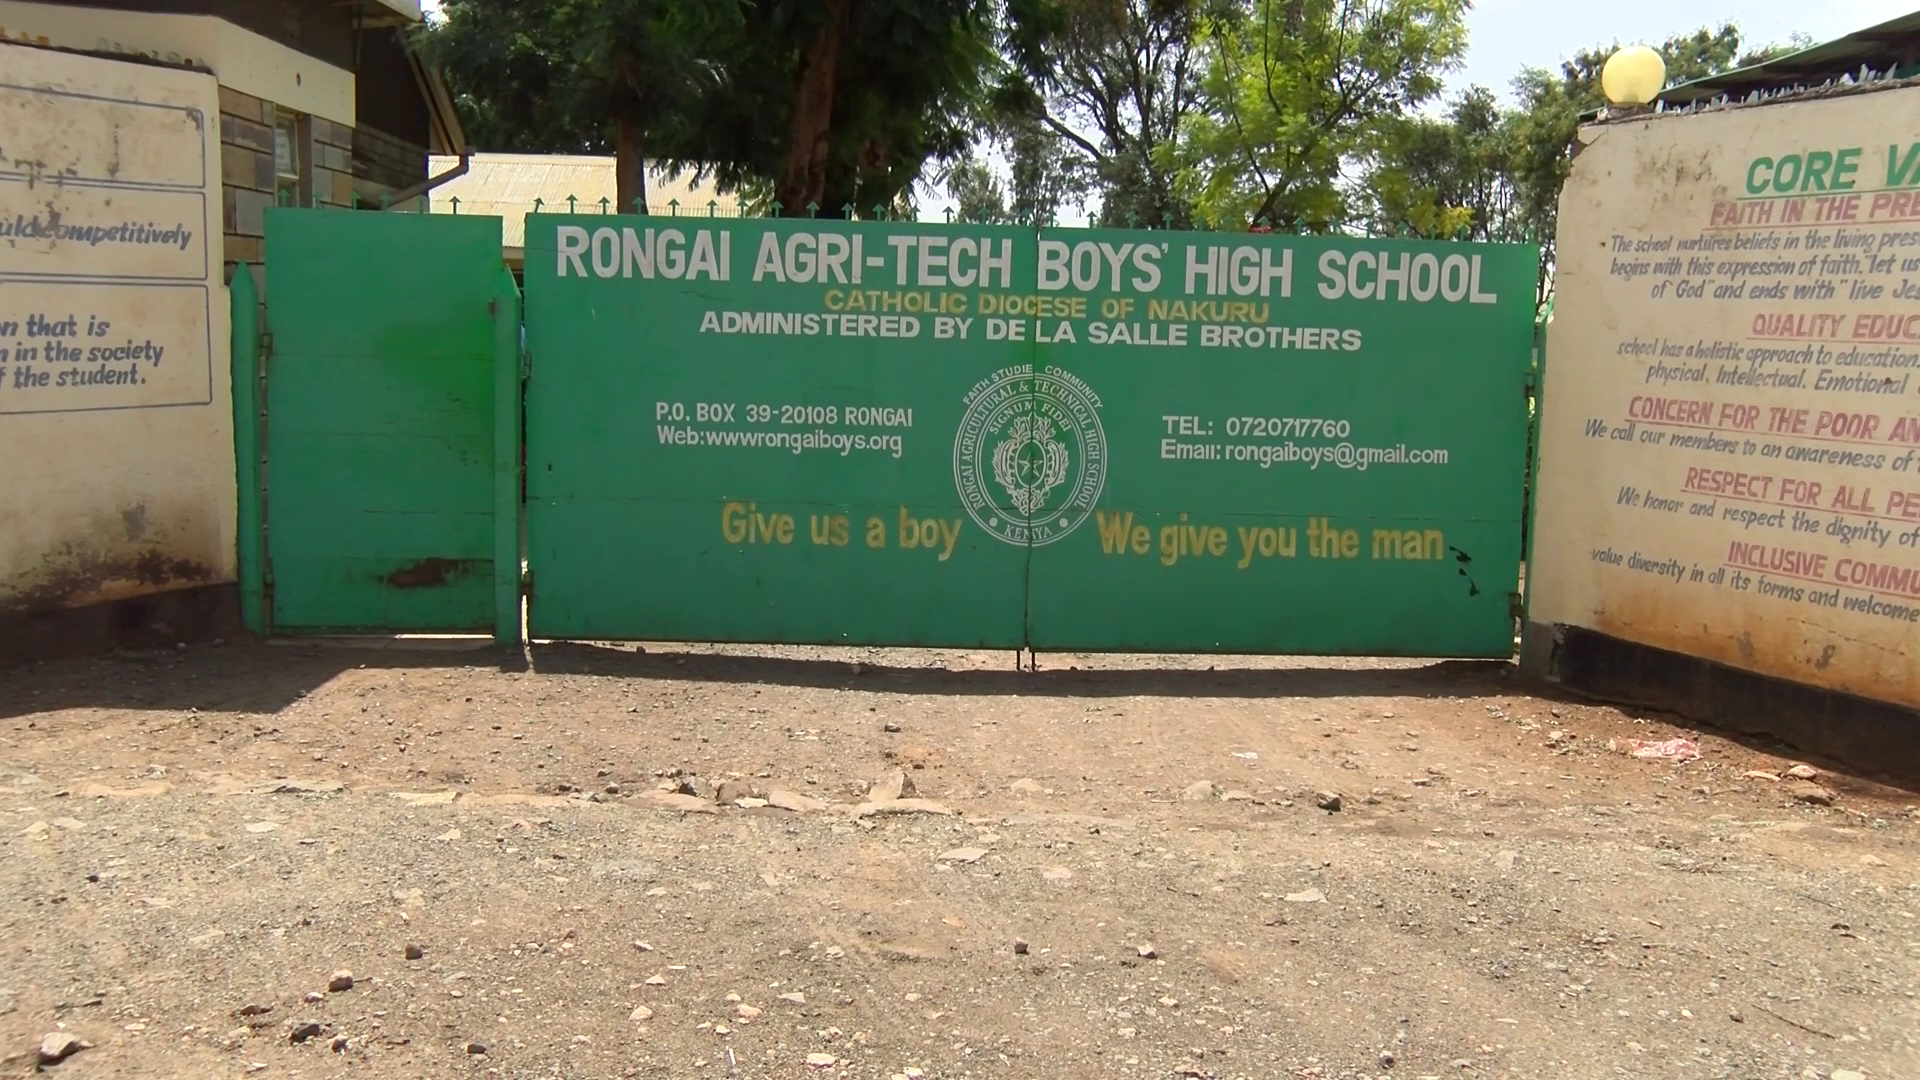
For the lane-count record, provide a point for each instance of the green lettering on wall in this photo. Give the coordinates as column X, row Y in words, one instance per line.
column 1845, row 164
column 1818, row 162
column 1900, row 170
column 1757, row 180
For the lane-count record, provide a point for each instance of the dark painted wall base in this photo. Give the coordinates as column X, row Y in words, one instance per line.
column 1876, row 739
column 144, row 622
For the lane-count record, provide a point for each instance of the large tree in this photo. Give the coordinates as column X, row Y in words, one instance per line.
column 1296, row 90
column 1104, row 88
column 844, row 103
column 583, row 76
column 1446, row 176
column 821, row 104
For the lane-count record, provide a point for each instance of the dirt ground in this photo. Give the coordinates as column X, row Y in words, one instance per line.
column 1110, row 867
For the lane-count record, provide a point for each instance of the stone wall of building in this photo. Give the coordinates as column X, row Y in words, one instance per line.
column 341, row 162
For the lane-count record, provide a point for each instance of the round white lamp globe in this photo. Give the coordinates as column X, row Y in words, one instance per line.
column 1633, row 76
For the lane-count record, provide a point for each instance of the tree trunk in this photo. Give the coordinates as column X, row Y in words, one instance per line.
column 629, row 168
column 803, row 178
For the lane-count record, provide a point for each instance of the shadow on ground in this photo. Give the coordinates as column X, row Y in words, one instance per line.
column 1224, row 677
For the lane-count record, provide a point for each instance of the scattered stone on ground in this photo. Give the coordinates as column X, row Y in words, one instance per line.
column 61, row 1045
column 1808, row 792
column 890, row 787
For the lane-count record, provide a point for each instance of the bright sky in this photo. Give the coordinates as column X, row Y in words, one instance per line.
column 1507, row 35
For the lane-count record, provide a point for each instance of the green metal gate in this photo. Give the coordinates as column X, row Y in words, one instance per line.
column 376, row 463
column 813, row 431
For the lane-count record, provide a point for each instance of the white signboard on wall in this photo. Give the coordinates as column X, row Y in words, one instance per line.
column 1730, row 448
column 114, row 377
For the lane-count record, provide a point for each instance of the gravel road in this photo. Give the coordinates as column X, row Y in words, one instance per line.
column 437, row 861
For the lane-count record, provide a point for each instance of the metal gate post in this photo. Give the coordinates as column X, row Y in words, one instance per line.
column 249, row 536
column 506, row 461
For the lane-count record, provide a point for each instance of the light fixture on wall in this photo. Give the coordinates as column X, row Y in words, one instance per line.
column 1633, row 76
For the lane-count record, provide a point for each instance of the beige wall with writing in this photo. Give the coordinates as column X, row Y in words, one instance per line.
column 116, row 419
column 1728, row 448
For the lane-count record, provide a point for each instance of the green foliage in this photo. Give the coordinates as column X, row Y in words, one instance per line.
column 976, row 193
column 834, row 102
column 581, row 76
column 1099, row 95
column 1296, row 90
column 1445, row 177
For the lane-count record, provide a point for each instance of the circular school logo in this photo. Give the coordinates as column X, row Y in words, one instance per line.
column 1030, row 457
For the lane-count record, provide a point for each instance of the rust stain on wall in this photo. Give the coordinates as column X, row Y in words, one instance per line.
column 82, row 572
column 1741, row 637
column 432, row 573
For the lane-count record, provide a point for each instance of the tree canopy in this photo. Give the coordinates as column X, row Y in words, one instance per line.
column 1322, row 115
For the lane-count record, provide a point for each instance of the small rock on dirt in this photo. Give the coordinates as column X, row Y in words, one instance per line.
column 746, row 1012
column 1328, row 801
column 794, row 998
column 303, row 1032
column 795, row 802
column 677, row 800
column 1199, row 791
column 415, row 952
column 1803, row 772
column 822, row 1061
column 1147, row 952
column 964, row 855
column 1237, row 795
column 1760, row 774
column 1846, row 1074
column 732, row 791
column 901, row 806
column 641, row 1013
column 1025, row 786
column 695, row 787
column 476, row 1048
column 1020, row 946
column 890, row 787
column 1809, row 792
column 253, row 1009
column 1307, row 896
column 891, row 729
column 342, row 980
column 1387, row 1059
column 61, row 1045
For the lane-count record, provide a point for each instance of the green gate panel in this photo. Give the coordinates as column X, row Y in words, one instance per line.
column 380, row 482
column 822, row 431
column 1287, row 470
column 694, row 477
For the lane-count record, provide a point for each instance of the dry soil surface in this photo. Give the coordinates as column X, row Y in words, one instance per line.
column 1112, row 867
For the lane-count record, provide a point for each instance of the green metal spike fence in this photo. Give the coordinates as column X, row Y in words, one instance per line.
column 858, row 430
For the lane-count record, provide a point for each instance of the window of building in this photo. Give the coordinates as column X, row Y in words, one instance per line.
column 290, row 159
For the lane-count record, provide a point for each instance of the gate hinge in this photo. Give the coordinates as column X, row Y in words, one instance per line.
column 1516, row 605
column 526, row 583
column 266, row 344
column 526, row 364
